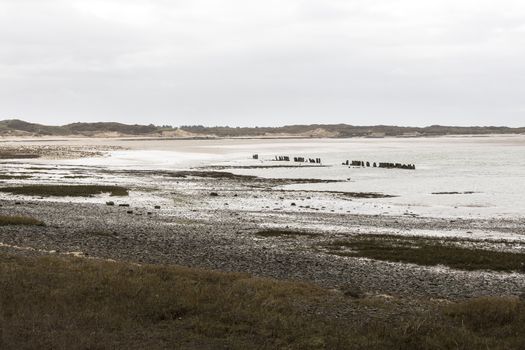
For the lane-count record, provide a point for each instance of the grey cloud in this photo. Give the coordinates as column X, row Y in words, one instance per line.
column 268, row 63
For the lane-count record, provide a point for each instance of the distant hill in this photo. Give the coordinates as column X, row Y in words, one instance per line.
column 345, row 130
column 94, row 128
column 15, row 127
column 19, row 127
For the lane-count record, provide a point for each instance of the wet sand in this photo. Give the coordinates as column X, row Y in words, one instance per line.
column 25, row 150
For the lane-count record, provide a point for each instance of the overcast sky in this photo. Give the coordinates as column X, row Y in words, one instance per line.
column 272, row 62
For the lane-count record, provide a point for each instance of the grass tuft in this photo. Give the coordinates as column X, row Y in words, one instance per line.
column 426, row 251
column 14, row 177
column 285, row 233
column 19, row 220
column 15, row 155
column 65, row 190
column 502, row 317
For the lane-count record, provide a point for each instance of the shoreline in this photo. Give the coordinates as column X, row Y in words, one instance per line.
column 192, row 227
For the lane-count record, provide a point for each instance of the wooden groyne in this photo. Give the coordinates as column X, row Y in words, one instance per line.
column 298, row 159
column 353, row 163
column 386, row 165
column 397, row 166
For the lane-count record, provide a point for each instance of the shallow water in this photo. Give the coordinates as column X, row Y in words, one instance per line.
column 493, row 167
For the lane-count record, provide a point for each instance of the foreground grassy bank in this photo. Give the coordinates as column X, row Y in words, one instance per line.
column 68, row 303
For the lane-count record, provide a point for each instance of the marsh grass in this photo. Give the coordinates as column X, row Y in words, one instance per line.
column 211, row 174
column 426, row 251
column 490, row 312
column 65, row 190
column 76, row 177
column 68, row 303
column 102, row 233
column 286, row 233
column 222, row 175
column 14, row 177
column 186, row 222
column 19, row 220
column 15, row 155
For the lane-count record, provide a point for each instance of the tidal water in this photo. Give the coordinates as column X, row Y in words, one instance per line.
column 487, row 172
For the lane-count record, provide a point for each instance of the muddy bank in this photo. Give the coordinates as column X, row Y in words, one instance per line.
column 221, row 175
column 226, row 167
column 14, row 151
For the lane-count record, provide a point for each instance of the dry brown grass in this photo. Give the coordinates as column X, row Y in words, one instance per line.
column 489, row 314
column 68, row 303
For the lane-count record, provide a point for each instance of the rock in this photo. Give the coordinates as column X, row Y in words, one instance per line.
column 214, row 194
column 293, row 204
column 123, row 205
column 110, row 203
column 130, row 212
column 157, row 207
